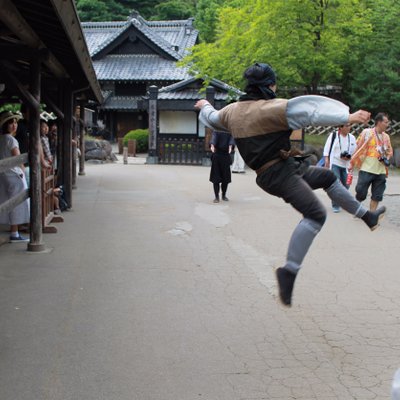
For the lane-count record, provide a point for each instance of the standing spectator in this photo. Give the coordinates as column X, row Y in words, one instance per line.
column 22, row 137
column 338, row 150
column 221, row 145
column 52, row 136
column 12, row 181
column 44, row 131
column 374, row 150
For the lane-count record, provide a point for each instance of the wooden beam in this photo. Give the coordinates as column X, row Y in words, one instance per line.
column 14, row 52
column 14, row 161
column 36, row 234
column 17, row 85
column 82, row 128
column 53, row 107
column 10, row 204
column 67, row 15
column 13, row 19
column 67, row 142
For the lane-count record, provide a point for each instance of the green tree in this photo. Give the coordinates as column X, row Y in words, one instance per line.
column 307, row 42
column 374, row 81
column 206, row 19
column 173, row 9
column 144, row 7
column 100, row 10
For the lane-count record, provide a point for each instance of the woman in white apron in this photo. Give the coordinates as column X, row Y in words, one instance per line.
column 12, row 181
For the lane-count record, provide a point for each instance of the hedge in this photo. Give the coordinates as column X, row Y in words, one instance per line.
column 142, row 139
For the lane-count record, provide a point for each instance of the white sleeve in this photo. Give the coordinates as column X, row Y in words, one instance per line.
column 210, row 118
column 314, row 110
column 12, row 143
column 327, row 145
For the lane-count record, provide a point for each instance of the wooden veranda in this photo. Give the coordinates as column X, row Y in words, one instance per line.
column 44, row 60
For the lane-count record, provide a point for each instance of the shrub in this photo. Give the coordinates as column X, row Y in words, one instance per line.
column 142, row 139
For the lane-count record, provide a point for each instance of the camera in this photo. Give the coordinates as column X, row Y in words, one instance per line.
column 385, row 161
column 345, row 154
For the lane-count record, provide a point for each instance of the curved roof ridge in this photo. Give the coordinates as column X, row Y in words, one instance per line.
column 111, row 38
column 103, row 24
column 156, row 38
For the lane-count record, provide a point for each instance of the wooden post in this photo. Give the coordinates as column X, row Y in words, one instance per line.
column 152, row 157
column 82, row 138
column 125, row 155
column 67, row 142
column 36, row 234
column 74, row 147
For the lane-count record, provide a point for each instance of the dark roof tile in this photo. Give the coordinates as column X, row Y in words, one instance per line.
column 121, row 103
column 174, row 37
column 116, row 67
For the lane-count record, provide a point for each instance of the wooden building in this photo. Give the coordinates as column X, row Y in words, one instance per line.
column 129, row 57
column 45, row 60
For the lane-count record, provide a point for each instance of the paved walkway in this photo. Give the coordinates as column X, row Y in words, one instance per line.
column 151, row 292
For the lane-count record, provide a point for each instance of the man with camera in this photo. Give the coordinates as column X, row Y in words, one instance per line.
column 373, row 152
column 338, row 150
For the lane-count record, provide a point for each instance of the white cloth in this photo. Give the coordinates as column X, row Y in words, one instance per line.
column 314, row 110
column 340, row 144
column 12, row 182
column 238, row 162
column 7, row 143
column 301, row 111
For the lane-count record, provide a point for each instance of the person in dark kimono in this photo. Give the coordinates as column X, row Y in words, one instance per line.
column 221, row 145
column 261, row 125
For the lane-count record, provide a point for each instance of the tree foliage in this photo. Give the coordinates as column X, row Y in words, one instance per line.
column 354, row 44
column 307, row 42
column 206, row 19
column 174, row 9
column 100, row 10
column 374, row 80
column 119, row 10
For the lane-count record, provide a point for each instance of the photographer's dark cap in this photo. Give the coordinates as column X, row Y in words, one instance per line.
column 260, row 73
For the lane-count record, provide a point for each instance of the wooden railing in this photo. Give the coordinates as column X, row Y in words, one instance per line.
column 6, row 164
column 181, row 151
column 393, row 129
column 48, row 215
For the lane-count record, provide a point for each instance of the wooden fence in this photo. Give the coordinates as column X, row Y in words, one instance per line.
column 181, row 151
column 48, row 215
column 393, row 129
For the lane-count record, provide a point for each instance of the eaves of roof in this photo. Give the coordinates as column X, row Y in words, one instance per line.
column 183, row 86
column 190, row 94
column 122, row 103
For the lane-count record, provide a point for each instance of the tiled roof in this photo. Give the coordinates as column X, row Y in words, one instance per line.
column 189, row 94
column 173, row 37
column 121, row 103
column 187, row 90
column 117, row 67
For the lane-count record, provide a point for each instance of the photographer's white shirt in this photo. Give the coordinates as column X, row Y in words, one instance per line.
column 340, row 145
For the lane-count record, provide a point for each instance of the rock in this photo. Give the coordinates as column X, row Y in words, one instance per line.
column 96, row 154
column 99, row 150
column 90, row 145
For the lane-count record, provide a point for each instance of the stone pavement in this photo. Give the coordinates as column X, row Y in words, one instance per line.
column 151, row 292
